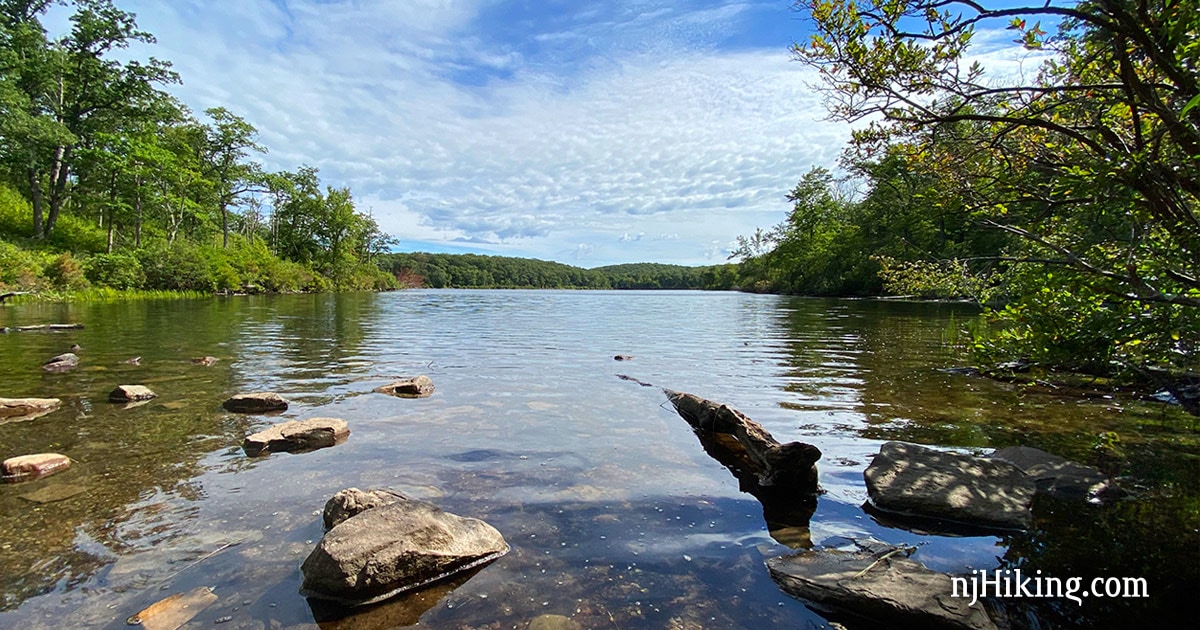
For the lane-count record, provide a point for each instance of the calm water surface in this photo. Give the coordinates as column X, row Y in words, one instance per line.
column 615, row 514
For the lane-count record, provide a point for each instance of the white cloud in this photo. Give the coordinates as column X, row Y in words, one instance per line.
column 663, row 135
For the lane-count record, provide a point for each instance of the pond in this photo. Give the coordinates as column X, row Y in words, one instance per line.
column 615, row 514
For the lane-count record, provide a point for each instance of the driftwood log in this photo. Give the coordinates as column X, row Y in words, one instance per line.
column 791, row 465
column 12, row 329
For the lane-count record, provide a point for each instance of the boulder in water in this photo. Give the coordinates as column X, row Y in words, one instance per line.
column 256, row 403
column 396, row 548
column 298, row 435
column 908, row 479
column 882, row 585
column 130, row 393
column 62, row 362
column 352, row 501
column 1058, row 476
column 409, row 387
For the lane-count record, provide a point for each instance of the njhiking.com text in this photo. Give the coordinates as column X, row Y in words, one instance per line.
column 1008, row 583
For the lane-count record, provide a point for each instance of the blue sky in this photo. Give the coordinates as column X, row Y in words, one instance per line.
column 590, row 133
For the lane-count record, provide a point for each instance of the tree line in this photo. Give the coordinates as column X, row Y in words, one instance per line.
column 97, row 160
column 504, row 272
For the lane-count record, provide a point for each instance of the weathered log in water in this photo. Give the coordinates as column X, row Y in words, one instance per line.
column 34, row 327
column 783, row 477
column 791, row 465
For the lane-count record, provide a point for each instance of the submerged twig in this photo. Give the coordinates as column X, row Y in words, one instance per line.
column 202, row 559
column 907, row 551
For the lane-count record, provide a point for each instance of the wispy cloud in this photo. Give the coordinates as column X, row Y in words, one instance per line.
column 559, row 131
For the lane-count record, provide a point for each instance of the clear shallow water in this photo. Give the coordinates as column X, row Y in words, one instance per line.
column 616, row 515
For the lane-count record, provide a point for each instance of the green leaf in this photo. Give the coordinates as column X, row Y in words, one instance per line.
column 1190, row 104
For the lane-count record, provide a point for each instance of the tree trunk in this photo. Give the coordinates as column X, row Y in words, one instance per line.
column 35, row 193
column 58, row 186
column 137, row 216
column 224, row 224
column 112, row 206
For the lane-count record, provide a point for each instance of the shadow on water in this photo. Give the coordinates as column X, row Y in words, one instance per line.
column 616, row 519
column 403, row 610
column 885, row 358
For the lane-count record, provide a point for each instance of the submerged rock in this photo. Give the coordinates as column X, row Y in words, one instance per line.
column 54, row 492
column 256, row 403
column 298, row 435
column 352, row 501
column 28, row 467
column 409, row 387
column 916, row 480
column 1058, row 476
column 64, row 361
column 553, row 622
column 130, row 393
column 22, row 407
column 884, row 585
column 174, row 611
column 395, row 548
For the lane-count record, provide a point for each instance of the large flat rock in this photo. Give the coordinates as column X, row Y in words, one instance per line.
column 409, row 387
column 1058, row 476
column 890, row 589
column 298, row 435
column 28, row 467
column 920, row 481
column 260, row 402
column 26, row 407
column 395, row 548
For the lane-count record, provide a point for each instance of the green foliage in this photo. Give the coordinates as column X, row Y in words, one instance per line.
column 944, row 279
column 78, row 234
column 105, row 161
column 1062, row 320
column 117, row 270
column 503, row 272
column 654, row 276
column 22, row 269
column 179, row 266
column 1085, row 174
column 831, row 244
column 65, row 272
column 476, row 271
column 15, row 214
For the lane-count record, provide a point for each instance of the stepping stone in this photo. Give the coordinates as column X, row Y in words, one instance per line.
column 298, row 435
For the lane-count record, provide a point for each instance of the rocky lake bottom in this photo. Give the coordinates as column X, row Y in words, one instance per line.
column 615, row 514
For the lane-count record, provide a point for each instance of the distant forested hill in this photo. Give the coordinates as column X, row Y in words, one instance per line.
column 503, row 272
